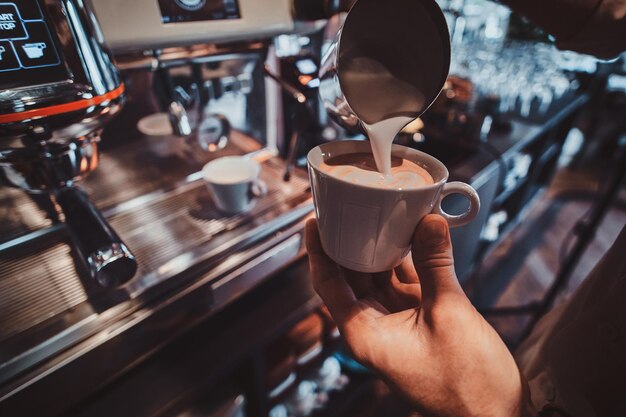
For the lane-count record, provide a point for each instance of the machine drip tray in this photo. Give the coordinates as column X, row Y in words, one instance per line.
column 45, row 291
column 39, row 281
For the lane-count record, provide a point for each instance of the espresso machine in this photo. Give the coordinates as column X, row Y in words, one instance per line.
column 98, row 271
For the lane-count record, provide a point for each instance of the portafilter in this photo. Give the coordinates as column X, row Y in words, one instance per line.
column 58, row 85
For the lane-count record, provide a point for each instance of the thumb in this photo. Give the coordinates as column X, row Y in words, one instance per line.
column 432, row 257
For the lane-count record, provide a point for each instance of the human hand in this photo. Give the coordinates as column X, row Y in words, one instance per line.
column 415, row 327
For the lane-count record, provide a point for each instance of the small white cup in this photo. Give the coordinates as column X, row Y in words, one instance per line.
column 234, row 183
column 369, row 229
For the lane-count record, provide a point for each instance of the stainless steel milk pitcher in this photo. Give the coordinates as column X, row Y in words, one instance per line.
column 390, row 58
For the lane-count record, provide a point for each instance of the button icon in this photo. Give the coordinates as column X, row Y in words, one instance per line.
column 34, row 50
column 38, row 50
column 11, row 27
column 8, row 60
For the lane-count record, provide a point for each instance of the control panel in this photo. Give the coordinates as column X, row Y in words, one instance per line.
column 29, row 53
column 140, row 25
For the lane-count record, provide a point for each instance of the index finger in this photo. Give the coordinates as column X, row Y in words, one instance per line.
column 328, row 280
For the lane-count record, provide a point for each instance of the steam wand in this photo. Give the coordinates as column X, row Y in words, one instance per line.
column 295, row 136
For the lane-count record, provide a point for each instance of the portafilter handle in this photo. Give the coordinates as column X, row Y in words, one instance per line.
column 108, row 259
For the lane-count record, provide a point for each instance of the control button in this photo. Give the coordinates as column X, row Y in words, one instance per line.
column 38, row 50
column 8, row 60
column 29, row 10
column 11, row 27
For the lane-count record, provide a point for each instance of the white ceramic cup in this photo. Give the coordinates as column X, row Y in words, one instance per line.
column 234, row 183
column 369, row 229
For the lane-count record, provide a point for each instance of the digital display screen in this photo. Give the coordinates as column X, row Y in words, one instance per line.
column 29, row 53
column 176, row 11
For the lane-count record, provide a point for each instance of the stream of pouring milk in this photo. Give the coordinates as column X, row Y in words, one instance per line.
column 381, row 135
column 383, row 103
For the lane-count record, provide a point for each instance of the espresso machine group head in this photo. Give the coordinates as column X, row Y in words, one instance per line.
column 58, row 85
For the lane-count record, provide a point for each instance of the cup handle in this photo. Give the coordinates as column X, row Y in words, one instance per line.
column 258, row 189
column 456, row 187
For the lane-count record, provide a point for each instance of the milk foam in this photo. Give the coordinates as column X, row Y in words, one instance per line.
column 403, row 175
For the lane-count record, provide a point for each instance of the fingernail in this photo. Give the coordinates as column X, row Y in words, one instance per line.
column 434, row 233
